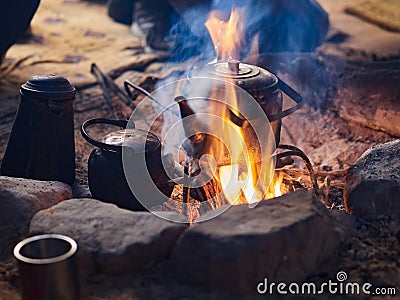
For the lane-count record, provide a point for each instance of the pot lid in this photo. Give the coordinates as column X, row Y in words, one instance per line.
column 49, row 87
column 245, row 75
column 132, row 138
column 235, row 69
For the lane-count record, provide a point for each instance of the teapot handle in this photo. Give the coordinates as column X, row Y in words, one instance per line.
column 87, row 137
column 295, row 96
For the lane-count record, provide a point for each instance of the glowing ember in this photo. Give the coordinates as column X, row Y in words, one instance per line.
column 275, row 187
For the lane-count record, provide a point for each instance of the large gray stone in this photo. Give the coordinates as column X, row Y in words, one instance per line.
column 285, row 239
column 110, row 239
column 20, row 199
column 373, row 182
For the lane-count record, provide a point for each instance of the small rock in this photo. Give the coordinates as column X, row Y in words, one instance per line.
column 110, row 239
column 354, row 240
column 285, row 239
column 350, row 253
column 356, row 246
column 20, row 199
column 361, row 254
column 373, row 183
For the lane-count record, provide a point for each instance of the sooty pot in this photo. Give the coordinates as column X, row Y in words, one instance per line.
column 107, row 181
column 265, row 87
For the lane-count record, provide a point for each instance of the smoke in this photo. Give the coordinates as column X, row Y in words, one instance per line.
column 279, row 25
column 189, row 35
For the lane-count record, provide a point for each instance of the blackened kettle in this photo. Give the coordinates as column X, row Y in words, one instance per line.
column 106, row 177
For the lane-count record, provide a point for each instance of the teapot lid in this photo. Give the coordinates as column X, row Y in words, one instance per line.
column 234, row 69
column 246, row 76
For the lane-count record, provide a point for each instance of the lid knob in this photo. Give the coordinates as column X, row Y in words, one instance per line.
column 233, row 65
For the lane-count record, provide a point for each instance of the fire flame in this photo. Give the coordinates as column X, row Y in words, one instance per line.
column 227, row 36
column 241, row 181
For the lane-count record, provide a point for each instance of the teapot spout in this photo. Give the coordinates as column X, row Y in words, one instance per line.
column 195, row 140
column 184, row 107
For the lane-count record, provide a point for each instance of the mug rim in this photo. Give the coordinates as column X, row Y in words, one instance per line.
column 40, row 261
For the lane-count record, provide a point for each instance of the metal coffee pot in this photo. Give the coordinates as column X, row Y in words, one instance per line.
column 41, row 144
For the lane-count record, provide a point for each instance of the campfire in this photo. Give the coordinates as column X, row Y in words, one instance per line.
column 229, row 116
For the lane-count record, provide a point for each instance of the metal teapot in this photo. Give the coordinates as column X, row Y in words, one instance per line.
column 265, row 87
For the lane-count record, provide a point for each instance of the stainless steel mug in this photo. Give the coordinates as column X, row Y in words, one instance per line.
column 47, row 268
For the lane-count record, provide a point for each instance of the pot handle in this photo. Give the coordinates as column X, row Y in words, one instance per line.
column 87, row 137
column 295, row 96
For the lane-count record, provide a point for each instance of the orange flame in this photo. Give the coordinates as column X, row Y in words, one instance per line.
column 241, row 180
column 227, row 36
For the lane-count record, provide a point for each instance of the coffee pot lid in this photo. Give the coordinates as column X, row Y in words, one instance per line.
column 49, row 87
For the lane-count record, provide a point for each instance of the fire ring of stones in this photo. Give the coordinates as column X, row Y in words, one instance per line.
column 236, row 250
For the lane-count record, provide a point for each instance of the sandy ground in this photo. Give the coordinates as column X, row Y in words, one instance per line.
column 332, row 143
column 360, row 35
